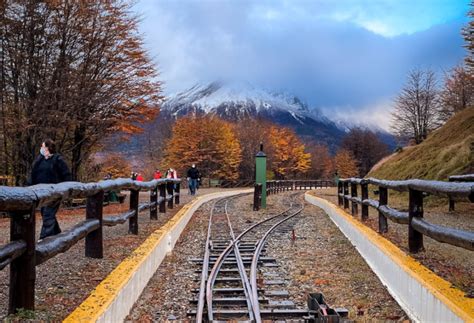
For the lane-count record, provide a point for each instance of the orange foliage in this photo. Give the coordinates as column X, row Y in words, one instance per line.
column 287, row 153
column 115, row 165
column 207, row 141
column 345, row 164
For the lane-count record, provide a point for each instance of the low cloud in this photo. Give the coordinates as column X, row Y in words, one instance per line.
column 338, row 57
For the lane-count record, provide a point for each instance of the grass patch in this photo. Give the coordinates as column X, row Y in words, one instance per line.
column 447, row 151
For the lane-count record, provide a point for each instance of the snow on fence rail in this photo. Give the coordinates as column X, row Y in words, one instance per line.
column 417, row 189
column 23, row 253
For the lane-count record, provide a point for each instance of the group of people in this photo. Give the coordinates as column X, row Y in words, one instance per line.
column 49, row 167
column 136, row 177
column 170, row 173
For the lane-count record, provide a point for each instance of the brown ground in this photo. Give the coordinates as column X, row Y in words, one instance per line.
column 320, row 259
column 63, row 282
column 454, row 264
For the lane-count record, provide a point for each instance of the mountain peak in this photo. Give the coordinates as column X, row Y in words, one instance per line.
column 242, row 97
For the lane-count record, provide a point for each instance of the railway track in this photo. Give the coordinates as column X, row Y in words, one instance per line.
column 238, row 281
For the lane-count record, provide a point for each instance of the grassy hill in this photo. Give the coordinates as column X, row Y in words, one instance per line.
column 447, row 151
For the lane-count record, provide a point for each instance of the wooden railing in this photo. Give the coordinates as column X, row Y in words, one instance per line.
column 23, row 253
column 274, row 187
column 417, row 190
column 459, row 178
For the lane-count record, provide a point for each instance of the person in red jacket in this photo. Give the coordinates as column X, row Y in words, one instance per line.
column 157, row 174
column 140, row 178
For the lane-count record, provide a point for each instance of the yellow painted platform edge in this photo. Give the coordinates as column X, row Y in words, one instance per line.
column 104, row 294
column 451, row 296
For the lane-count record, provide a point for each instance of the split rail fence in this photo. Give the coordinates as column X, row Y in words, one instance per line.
column 274, row 187
column 23, row 253
column 417, row 190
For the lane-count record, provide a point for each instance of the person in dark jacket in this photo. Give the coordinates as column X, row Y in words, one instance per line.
column 193, row 175
column 49, row 168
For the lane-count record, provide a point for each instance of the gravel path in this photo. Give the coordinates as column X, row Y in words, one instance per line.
column 454, row 264
column 320, row 259
column 63, row 282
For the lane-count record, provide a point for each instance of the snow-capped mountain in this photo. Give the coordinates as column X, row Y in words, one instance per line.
column 238, row 101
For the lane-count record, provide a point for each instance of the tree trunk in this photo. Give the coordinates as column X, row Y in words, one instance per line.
column 79, row 140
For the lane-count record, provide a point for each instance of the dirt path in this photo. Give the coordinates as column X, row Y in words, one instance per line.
column 320, row 259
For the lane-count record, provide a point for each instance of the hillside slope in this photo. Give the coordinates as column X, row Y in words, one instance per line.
column 447, row 151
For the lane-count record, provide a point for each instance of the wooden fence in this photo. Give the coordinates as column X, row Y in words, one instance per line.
column 274, row 187
column 23, row 253
column 417, row 190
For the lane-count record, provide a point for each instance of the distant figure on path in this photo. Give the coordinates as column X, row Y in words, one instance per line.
column 171, row 173
column 49, row 167
column 193, row 175
column 139, row 177
column 157, row 174
column 133, row 176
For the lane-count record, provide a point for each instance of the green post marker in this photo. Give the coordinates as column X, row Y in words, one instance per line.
column 261, row 173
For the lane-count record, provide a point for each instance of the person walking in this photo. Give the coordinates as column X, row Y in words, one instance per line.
column 193, row 175
column 139, row 177
column 49, row 167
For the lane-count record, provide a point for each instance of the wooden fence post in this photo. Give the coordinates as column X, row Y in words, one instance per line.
column 133, row 221
column 23, row 268
column 415, row 209
column 451, row 204
column 162, row 188
column 94, row 240
column 170, row 189
column 177, row 191
column 346, row 192
column 355, row 206
column 383, row 200
column 153, row 206
column 365, row 195
column 340, row 199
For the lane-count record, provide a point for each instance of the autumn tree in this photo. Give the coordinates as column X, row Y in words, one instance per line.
column 74, row 71
column 416, row 107
column 322, row 165
column 206, row 141
column 468, row 34
column 345, row 164
column 287, row 156
column 457, row 93
column 115, row 165
column 250, row 143
column 365, row 147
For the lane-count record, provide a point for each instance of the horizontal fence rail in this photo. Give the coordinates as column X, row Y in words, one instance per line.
column 274, row 187
column 417, row 190
column 23, row 253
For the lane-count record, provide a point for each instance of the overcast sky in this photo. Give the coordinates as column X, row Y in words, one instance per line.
column 345, row 57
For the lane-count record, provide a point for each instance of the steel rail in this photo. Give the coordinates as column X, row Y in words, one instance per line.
column 205, row 269
column 242, row 271
column 218, row 264
column 205, row 266
column 256, row 256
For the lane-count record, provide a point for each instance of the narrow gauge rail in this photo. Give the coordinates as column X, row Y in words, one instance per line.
column 229, row 260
